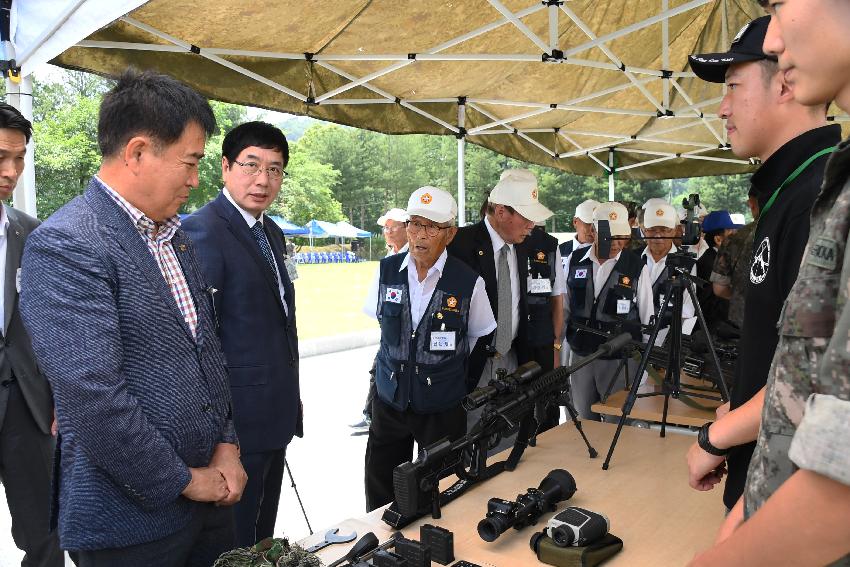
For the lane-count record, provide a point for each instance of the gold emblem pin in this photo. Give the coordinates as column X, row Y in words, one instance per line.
column 481, row 252
column 439, row 315
column 612, row 215
column 626, row 280
column 451, row 302
column 182, row 247
column 659, row 213
column 541, row 256
column 425, row 198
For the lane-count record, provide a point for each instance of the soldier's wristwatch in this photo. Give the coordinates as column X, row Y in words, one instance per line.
column 557, row 346
column 705, row 444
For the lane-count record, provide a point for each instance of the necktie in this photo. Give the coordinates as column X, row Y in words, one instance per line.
column 265, row 248
column 504, row 330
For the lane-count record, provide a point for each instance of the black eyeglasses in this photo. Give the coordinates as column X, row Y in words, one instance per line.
column 253, row 169
column 431, row 230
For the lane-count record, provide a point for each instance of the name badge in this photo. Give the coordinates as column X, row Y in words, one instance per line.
column 580, row 274
column 540, row 285
column 623, row 306
column 393, row 295
column 442, row 340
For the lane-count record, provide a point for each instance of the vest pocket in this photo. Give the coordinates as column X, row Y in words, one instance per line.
column 391, row 323
column 386, row 379
column 438, row 387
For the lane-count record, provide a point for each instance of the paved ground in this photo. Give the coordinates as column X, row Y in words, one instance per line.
column 327, row 464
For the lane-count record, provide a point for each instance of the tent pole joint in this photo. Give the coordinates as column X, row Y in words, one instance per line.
column 461, row 101
column 311, row 101
column 461, row 133
column 553, row 2
column 308, row 56
column 557, row 56
column 195, row 49
column 666, row 114
column 665, row 74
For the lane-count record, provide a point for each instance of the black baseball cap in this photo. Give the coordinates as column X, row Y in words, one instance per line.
column 747, row 46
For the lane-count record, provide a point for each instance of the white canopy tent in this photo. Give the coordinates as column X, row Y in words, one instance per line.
column 586, row 86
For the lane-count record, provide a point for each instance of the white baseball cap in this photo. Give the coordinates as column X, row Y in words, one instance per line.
column 517, row 188
column 396, row 214
column 662, row 214
column 617, row 216
column 433, row 204
column 654, row 202
column 584, row 212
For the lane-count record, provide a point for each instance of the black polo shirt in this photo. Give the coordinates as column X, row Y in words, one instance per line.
column 778, row 245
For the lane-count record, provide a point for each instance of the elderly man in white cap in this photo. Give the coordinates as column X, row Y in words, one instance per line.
column 395, row 232
column 601, row 294
column 660, row 227
column 432, row 309
column 494, row 249
column 583, row 223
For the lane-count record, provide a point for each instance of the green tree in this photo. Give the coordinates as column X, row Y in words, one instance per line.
column 307, row 193
column 227, row 116
column 725, row 192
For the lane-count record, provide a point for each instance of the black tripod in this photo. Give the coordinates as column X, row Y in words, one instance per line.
column 679, row 280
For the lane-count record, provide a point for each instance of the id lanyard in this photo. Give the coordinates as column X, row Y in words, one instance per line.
column 794, row 174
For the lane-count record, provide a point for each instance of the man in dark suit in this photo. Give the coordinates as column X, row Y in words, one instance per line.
column 493, row 249
column 26, row 403
column 242, row 254
column 122, row 326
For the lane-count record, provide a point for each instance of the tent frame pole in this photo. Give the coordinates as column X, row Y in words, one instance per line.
column 611, row 172
column 461, row 161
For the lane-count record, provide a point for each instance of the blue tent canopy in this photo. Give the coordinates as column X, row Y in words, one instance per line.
column 322, row 229
column 288, row 228
column 352, row 231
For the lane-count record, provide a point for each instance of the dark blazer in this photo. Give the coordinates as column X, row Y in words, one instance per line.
column 260, row 341
column 16, row 356
column 473, row 246
column 138, row 399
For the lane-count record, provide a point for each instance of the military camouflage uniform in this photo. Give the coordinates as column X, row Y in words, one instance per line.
column 805, row 422
column 732, row 268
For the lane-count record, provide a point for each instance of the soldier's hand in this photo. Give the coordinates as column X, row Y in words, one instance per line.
column 721, row 411
column 207, row 485
column 226, row 459
column 704, row 469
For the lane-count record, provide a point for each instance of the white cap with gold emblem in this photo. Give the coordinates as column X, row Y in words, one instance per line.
column 617, row 216
column 517, row 188
column 661, row 214
column 584, row 212
column 433, row 204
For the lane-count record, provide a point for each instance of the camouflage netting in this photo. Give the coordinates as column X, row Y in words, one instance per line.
column 271, row 552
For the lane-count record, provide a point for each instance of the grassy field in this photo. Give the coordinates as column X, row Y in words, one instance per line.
column 329, row 299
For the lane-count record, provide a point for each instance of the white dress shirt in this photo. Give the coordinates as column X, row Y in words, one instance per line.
column 481, row 319
column 498, row 243
column 4, row 229
column 560, row 285
column 646, row 299
column 251, row 220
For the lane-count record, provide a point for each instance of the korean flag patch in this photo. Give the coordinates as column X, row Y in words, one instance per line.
column 393, row 295
column 580, row 274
